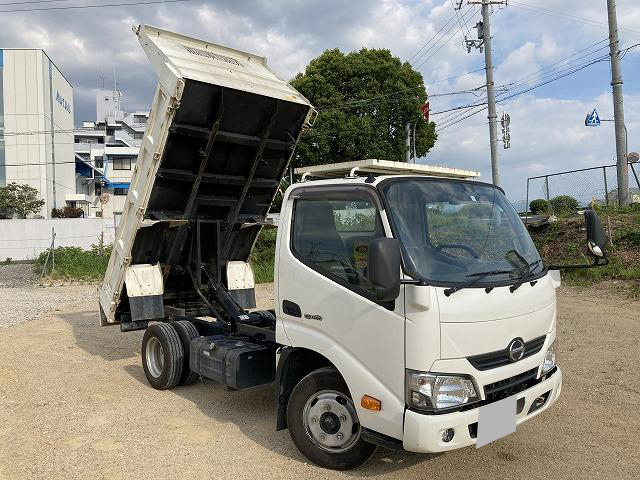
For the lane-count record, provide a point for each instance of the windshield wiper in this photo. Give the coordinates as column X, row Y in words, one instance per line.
column 478, row 276
column 529, row 271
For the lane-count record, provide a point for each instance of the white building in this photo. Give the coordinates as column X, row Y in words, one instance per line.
column 36, row 126
column 106, row 152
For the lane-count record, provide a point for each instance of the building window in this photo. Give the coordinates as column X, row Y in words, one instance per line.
column 98, row 189
column 138, row 135
column 99, row 162
column 139, row 119
column 110, row 131
column 98, row 214
column 122, row 163
column 100, row 140
column 120, row 191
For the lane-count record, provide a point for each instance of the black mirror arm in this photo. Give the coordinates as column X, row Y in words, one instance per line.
column 421, row 282
column 596, row 263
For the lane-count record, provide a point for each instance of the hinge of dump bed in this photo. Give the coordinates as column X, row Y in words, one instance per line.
column 173, row 106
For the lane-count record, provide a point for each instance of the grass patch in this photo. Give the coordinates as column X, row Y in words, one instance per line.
column 564, row 243
column 263, row 255
column 75, row 263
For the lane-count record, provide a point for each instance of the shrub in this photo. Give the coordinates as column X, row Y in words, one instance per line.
column 77, row 263
column 67, row 212
column 263, row 255
column 564, row 204
column 539, row 206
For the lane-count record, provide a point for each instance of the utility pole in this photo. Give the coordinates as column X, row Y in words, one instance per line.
column 408, row 143
column 618, row 107
column 484, row 35
column 491, row 96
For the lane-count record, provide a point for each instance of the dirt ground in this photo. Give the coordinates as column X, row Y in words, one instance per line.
column 74, row 403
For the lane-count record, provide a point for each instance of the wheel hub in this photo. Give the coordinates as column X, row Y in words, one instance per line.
column 155, row 357
column 331, row 422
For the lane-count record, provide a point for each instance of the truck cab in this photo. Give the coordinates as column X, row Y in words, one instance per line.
column 469, row 320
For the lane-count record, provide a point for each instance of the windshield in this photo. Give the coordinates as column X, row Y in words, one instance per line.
column 451, row 231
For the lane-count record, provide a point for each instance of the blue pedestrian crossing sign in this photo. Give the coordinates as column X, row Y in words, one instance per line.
column 593, row 119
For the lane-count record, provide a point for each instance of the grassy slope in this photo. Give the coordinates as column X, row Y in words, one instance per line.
column 564, row 242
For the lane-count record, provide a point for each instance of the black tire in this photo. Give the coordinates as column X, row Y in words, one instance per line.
column 187, row 331
column 162, row 356
column 324, row 379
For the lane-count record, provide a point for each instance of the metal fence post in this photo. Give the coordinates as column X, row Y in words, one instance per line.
column 53, row 249
column 635, row 175
column 546, row 187
column 526, row 206
column 606, row 188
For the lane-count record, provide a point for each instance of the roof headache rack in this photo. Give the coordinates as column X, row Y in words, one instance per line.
column 373, row 166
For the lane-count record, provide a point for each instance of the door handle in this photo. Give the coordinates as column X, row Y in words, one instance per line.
column 291, row 308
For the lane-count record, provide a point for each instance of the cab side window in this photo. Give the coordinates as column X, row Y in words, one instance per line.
column 333, row 235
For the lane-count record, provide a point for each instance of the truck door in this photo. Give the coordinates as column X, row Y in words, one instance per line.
column 326, row 301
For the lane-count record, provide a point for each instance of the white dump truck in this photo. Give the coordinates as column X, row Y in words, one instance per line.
column 412, row 309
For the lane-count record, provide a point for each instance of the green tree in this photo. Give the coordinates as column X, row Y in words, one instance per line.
column 20, row 200
column 364, row 100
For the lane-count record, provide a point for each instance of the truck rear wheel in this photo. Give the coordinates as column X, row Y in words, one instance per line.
column 162, row 356
column 323, row 422
column 187, row 331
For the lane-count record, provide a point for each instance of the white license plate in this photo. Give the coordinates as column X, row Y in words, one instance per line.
column 496, row 420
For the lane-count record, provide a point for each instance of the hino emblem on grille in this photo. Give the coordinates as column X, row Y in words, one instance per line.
column 515, row 349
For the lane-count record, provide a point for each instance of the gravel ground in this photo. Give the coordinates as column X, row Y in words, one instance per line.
column 17, row 275
column 74, row 403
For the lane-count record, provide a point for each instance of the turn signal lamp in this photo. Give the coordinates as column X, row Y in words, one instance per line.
column 371, row 403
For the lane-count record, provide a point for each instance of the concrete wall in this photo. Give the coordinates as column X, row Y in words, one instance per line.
column 26, row 239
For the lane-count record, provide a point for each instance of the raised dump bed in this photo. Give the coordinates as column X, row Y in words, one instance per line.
column 218, row 141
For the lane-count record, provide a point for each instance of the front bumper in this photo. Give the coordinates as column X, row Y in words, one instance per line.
column 423, row 432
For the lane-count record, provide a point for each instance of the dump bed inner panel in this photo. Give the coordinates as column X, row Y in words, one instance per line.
column 219, row 138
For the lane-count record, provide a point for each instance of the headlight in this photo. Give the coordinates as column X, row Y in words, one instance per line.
column 430, row 391
column 549, row 358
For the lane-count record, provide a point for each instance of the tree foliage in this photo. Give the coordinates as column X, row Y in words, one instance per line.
column 20, row 200
column 364, row 99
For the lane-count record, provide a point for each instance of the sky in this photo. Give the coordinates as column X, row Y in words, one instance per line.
column 547, row 124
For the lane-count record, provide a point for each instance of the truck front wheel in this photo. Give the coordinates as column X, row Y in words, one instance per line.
column 323, row 422
column 162, row 356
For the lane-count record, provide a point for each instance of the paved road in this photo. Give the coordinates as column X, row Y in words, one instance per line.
column 74, row 403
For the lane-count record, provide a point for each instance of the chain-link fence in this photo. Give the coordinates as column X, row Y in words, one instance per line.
column 599, row 184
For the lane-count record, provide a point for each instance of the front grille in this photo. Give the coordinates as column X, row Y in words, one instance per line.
column 511, row 386
column 500, row 358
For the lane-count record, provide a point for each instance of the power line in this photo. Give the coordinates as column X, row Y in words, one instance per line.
column 550, row 67
column 364, row 101
column 432, row 38
column 469, row 10
column 437, row 40
column 76, row 7
column 522, row 92
column 556, row 13
column 32, row 1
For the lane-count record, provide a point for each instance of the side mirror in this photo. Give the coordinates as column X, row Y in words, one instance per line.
column 596, row 238
column 384, row 268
